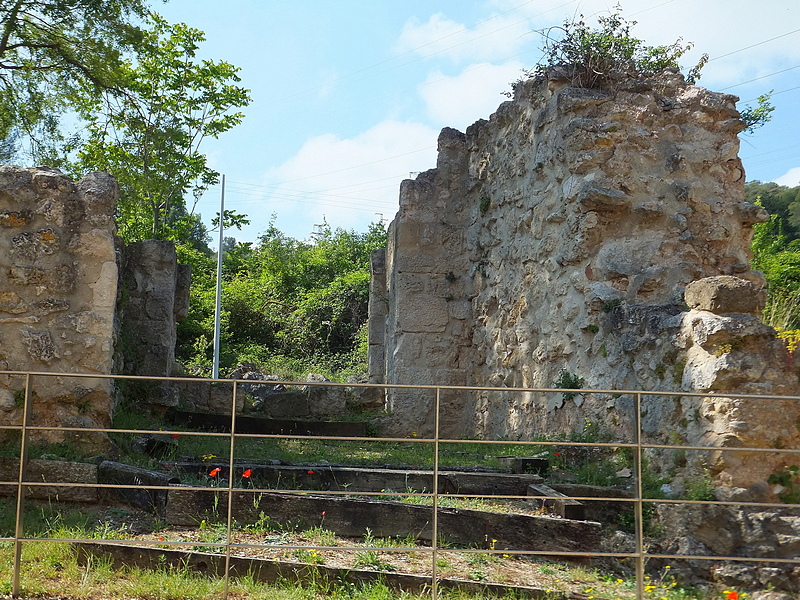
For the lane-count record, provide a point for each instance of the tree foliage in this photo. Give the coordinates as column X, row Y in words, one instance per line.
column 776, row 250
column 287, row 303
column 47, row 49
column 149, row 137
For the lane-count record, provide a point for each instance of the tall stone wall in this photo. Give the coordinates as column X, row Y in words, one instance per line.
column 58, row 291
column 554, row 242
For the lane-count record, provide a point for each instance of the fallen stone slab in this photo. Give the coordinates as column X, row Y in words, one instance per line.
column 605, row 511
column 270, row 571
column 82, row 476
column 367, row 479
column 351, row 517
column 151, row 500
column 216, row 422
column 562, row 505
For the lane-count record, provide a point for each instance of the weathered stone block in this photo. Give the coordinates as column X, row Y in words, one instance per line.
column 52, row 472
column 724, row 294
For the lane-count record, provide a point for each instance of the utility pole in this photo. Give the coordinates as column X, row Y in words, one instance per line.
column 218, row 309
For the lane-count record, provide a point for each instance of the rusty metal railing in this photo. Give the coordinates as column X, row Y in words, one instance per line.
column 637, row 446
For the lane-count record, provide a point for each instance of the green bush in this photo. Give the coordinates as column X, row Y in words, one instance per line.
column 595, row 58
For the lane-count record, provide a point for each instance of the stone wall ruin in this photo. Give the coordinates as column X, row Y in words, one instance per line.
column 558, row 237
column 60, row 310
column 58, row 292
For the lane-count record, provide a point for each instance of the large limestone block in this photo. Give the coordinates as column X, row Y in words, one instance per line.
column 725, row 294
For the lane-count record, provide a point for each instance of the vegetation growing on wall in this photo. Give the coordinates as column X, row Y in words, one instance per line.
column 596, row 57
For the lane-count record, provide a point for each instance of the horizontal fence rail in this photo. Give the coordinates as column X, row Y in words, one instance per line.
column 231, row 494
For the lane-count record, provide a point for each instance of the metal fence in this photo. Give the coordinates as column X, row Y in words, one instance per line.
column 23, row 485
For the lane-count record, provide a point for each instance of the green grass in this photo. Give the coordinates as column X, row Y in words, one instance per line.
column 51, row 569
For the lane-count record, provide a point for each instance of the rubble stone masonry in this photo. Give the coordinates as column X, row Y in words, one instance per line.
column 554, row 242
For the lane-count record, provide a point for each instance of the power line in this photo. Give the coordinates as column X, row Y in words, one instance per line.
column 753, row 45
column 759, row 78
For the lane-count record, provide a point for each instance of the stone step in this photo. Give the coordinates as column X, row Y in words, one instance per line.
column 245, row 424
column 351, row 517
column 318, row 477
column 270, row 571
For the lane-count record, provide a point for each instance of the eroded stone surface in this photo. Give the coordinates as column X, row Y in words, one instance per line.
column 558, row 238
column 725, row 294
column 58, row 287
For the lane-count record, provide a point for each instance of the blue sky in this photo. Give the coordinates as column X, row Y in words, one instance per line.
column 349, row 95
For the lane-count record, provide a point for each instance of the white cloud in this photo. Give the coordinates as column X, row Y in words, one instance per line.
column 460, row 100
column 790, row 179
column 346, row 181
column 716, row 27
column 495, row 38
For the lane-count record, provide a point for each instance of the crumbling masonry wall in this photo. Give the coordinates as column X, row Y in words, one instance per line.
column 74, row 299
column 558, row 238
column 58, row 291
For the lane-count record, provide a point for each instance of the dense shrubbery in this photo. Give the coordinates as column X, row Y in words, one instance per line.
column 288, row 305
column 776, row 250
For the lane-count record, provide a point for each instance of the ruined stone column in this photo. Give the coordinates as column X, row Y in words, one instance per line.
column 58, row 290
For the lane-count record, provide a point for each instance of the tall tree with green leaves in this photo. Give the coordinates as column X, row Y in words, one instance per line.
column 47, row 49
column 149, row 137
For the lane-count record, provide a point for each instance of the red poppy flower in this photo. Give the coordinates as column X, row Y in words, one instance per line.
column 176, row 435
column 323, row 513
column 310, row 472
column 215, row 472
column 247, row 473
column 732, row 595
column 558, row 454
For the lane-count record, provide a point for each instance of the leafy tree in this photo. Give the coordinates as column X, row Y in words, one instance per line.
column 780, row 201
column 149, row 137
column 47, row 48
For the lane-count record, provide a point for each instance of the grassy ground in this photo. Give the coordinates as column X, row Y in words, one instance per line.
column 51, row 569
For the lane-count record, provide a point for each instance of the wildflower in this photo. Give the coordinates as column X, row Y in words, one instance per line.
column 557, row 454
column 247, row 473
column 310, row 472
column 649, row 588
column 176, row 435
column 323, row 513
column 214, row 472
column 731, row 595
column 620, row 581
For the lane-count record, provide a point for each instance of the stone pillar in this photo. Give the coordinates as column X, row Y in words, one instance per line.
column 58, row 289
column 428, row 276
column 730, row 351
column 154, row 298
